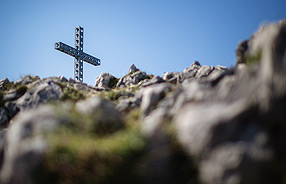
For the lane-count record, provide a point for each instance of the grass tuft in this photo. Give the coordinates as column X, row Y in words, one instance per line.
column 254, row 59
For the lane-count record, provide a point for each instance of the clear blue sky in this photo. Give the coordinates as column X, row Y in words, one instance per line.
column 156, row 35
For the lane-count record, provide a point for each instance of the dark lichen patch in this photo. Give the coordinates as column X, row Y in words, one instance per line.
column 112, row 82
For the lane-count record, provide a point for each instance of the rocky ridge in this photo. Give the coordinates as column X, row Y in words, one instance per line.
column 207, row 124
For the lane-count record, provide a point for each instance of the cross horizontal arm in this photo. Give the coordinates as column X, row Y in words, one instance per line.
column 77, row 53
column 90, row 59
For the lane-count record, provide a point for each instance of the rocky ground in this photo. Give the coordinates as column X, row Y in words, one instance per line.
column 207, row 124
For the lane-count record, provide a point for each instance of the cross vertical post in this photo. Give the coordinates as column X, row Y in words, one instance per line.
column 78, row 54
column 78, row 63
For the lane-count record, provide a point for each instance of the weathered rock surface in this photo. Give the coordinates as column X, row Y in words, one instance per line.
column 105, row 80
column 151, row 96
column 4, row 120
column 229, row 132
column 132, row 78
column 27, row 145
column 133, row 69
column 41, row 93
column 106, row 118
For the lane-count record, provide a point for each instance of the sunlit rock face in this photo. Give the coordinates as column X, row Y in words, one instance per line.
column 206, row 124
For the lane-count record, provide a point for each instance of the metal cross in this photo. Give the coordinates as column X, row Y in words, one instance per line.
column 78, row 53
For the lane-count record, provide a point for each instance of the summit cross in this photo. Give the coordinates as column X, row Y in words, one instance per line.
column 78, row 54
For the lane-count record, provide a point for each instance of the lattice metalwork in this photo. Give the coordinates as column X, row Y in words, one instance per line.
column 78, row 54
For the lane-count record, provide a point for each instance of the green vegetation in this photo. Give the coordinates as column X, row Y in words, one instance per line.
column 254, row 59
column 70, row 93
column 9, row 86
column 78, row 155
column 21, row 89
column 112, row 95
column 150, row 76
column 34, row 78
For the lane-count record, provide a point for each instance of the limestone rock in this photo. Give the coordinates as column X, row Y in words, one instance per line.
column 3, row 82
column 2, row 144
column 152, row 95
column 25, row 145
column 26, row 80
column 204, row 71
column 46, row 91
column 12, row 109
column 132, row 79
column 167, row 76
column 63, row 79
column 11, row 95
column 173, row 77
column 106, row 117
column 192, row 70
column 105, row 80
column 154, row 80
column 133, row 69
column 233, row 143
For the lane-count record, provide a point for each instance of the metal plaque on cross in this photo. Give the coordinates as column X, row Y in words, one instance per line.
column 78, row 54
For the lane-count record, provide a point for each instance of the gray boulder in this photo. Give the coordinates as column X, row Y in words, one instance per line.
column 154, row 80
column 132, row 79
column 63, row 79
column 173, row 77
column 27, row 140
column 12, row 109
column 25, row 144
column 105, row 80
column 27, row 80
column 2, row 144
column 150, row 96
column 230, row 133
column 106, row 118
column 192, row 70
column 43, row 92
column 204, row 71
